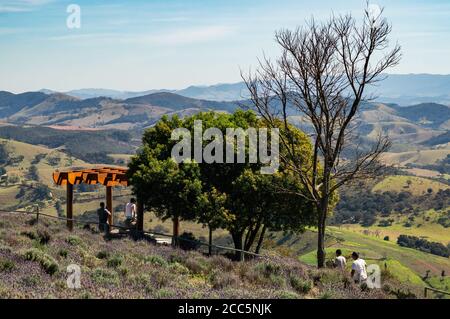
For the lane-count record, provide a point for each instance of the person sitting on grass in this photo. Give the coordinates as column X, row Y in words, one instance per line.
column 103, row 215
column 340, row 262
column 359, row 269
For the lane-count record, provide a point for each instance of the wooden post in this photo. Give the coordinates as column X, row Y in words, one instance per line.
column 210, row 241
column 69, row 206
column 37, row 214
column 109, row 204
column 140, row 215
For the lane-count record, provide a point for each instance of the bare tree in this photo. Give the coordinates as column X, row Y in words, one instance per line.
column 322, row 75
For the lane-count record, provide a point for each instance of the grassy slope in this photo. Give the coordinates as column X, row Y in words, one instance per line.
column 418, row 185
column 404, row 263
column 45, row 169
column 123, row 268
column 423, row 157
column 428, row 229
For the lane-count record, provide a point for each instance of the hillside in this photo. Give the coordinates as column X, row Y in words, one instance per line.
column 405, row 264
column 411, row 184
column 90, row 145
column 34, row 258
column 409, row 127
column 37, row 108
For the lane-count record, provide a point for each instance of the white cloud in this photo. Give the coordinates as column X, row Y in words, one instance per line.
column 188, row 35
column 21, row 5
column 170, row 38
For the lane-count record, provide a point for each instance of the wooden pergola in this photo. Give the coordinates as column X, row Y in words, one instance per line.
column 108, row 176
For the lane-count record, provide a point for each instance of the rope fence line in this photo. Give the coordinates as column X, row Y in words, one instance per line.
column 37, row 213
column 425, row 291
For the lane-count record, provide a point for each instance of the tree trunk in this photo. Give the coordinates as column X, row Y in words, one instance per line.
column 251, row 239
column 320, row 246
column 323, row 210
column 210, row 241
column 261, row 239
column 176, row 230
column 237, row 239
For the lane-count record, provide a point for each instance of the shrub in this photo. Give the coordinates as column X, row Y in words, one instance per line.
column 326, row 295
column 163, row 293
column 268, row 268
column 161, row 278
column 220, row 280
column 384, row 223
column 43, row 236
column 222, row 263
column 63, row 253
column 424, row 245
column 155, row 260
column 187, row 241
column 30, row 234
column 386, row 238
column 196, row 265
column 284, row 294
column 31, row 281
column 6, row 265
column 300, row 285
column 47, row 262
column 176, row 267
column 114, row 261
column 105, row 277
column 277, row 280
column 102, row 255
column 74, row 240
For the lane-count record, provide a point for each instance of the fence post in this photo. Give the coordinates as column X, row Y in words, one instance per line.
column 425, row 292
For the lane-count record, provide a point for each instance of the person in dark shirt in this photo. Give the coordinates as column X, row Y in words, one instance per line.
column 103, row 214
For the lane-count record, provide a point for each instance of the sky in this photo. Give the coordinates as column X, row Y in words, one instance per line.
column 140, row 45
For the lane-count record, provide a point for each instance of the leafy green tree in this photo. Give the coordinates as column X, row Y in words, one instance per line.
column 171, row 190
column 213, row 212
column 232, row 196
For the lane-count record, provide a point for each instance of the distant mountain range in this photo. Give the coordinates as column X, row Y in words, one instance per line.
column 38, row 108
column 402, row 89
column 405, row 125
column 218, row 92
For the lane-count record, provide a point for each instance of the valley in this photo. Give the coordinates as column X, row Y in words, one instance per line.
column 41, row 132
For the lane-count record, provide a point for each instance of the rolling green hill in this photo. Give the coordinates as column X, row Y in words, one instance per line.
column 412, row 184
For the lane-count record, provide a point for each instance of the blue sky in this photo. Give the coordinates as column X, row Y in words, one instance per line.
column 140, row 45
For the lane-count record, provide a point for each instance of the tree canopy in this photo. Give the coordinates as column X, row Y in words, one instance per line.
column 233, row 196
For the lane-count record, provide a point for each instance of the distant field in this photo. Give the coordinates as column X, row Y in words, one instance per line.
column 8, row 196
column 421, row 227
column 125, row 158
column 45, row 165
column 418, row 186
column 420, row 172
column 423, row 157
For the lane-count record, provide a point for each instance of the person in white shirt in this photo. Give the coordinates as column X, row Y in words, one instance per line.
column 359, row 269
column 340, row 262
column 130, row 210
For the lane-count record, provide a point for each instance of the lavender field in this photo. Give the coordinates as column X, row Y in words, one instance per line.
column 34, row 260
